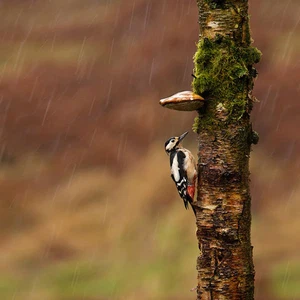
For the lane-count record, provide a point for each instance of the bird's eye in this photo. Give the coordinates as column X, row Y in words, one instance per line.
column 172, row 140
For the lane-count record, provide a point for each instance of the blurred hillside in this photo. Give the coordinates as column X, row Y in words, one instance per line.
column 80, row 122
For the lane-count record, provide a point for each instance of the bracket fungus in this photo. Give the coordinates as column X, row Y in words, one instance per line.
column 185, row 101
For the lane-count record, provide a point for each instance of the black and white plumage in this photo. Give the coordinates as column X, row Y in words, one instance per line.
column 183, row 169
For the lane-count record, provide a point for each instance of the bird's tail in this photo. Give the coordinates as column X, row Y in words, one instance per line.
column 188, row 200
column 193, row 210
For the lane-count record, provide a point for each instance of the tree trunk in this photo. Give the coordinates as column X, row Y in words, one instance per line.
column 224, row 77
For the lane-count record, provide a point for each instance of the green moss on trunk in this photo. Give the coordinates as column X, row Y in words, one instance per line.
column 223, row 71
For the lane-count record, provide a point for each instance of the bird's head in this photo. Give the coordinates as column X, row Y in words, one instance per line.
column 174, row 142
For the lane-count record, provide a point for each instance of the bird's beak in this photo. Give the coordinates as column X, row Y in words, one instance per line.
column 183, row 136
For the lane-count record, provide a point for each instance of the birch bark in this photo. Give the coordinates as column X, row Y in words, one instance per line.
column 224, row 77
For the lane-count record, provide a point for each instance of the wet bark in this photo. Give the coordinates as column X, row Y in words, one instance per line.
column 225, row 264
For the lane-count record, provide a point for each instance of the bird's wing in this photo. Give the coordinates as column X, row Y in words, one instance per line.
column 179, row 176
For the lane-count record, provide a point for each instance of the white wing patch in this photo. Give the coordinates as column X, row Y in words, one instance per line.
column 175, row 169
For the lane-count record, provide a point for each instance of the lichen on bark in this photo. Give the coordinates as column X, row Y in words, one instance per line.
column 224, row 77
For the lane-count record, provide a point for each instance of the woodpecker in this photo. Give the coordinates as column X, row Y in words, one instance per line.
column 183, row 169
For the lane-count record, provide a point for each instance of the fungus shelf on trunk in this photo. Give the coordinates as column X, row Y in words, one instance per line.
column 184, row 101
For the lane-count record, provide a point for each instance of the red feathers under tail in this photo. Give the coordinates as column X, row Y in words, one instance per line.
column 191, row 191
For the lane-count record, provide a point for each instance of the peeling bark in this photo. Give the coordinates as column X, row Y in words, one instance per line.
column 225, row 264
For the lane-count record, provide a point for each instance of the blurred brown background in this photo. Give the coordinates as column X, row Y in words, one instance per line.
column 88, row 209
